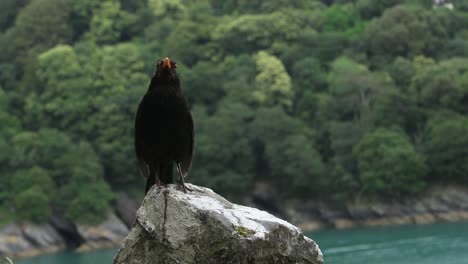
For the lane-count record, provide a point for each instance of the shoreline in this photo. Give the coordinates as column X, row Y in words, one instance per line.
column 28, row 240
column 447, row 204
column 423, row 219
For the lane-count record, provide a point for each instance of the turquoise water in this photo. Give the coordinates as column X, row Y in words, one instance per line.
column 102, row 256
column 412, row 244
column 445, row 243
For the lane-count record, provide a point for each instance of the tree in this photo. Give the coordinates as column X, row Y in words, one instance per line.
column 8, row 11
column 406, row 31
column 342, row 137
column 272, row 83
column 109, row 22
column 296, row 166
column 202, row 83
column 223, row 158
column 395, row 109
column 63, row 94
column 105, row 85
column 122, row 83
column 248, row 33
column 325, row 47
column 401, row 71
column 32, row 204
column 285, row 152
column 35, row 177
column 388, row 164
column 437, row 85
column 445, row 145
column 40, row 25
column 174, row 9
column 307, row 75
column 193, row 34
column 90, row 205
column 340, row 18
column 49, row 155
column 373, row 8
column 245, row 6
column 353, row 86
column 315, row 109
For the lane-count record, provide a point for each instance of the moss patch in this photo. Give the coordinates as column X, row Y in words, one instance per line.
column 243, row 231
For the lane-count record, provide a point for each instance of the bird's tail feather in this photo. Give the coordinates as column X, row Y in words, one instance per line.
column 165, row 173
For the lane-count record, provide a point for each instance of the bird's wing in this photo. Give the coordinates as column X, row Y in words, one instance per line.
column 186, row 162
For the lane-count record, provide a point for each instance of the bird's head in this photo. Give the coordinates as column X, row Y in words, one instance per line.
column 166, row 70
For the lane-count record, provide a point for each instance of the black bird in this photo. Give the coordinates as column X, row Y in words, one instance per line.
column 164, row 132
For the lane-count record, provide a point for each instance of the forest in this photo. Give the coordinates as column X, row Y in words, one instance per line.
column 331, row 100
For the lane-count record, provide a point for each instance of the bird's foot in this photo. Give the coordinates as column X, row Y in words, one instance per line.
column 184, row 187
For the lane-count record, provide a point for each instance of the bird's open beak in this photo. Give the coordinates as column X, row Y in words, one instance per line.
column 166, row 63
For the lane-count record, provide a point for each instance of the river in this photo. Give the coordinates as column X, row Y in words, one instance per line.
column 444, row 243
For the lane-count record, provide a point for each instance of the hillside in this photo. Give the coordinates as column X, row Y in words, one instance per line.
column 323, row 100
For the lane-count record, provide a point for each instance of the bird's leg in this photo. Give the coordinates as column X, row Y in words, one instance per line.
column 158, row 181
column 182, row 181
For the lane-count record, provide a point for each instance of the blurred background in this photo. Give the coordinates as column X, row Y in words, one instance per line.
column 329, row 113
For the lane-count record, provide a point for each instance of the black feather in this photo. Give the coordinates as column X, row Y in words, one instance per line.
column 164, row 131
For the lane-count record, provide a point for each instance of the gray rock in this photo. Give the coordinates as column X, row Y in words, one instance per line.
column 435, row 205
column 111, row 232
column 12, row 241
column 66, row 228
column 43, row 236
column 360, row 213
column 203, row 227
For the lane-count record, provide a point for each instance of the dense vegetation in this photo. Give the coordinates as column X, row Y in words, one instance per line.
column 328, row 99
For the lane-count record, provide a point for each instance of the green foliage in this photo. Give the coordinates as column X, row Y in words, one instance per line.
column 108, row 22
column 441, row 84
column 54, row 163
column 272, row 84
column 29, row 178
column 40, row 25
column 223, row 157
column 406, row 31
column 354, row 86
column 248, row 33
column 172, row 8
column 8, row 11
column 373, row 8
column 388, row 164
column 105, row 87
column 91, row 203
column 196, row 36
column 308, row 75
column 446, row 148
column 202, row 83
column 245, row 6
column 293, row 162
column 59, row 101
column 340, row 18
column 32, row 204
column 6, row 215
column 312, row 96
